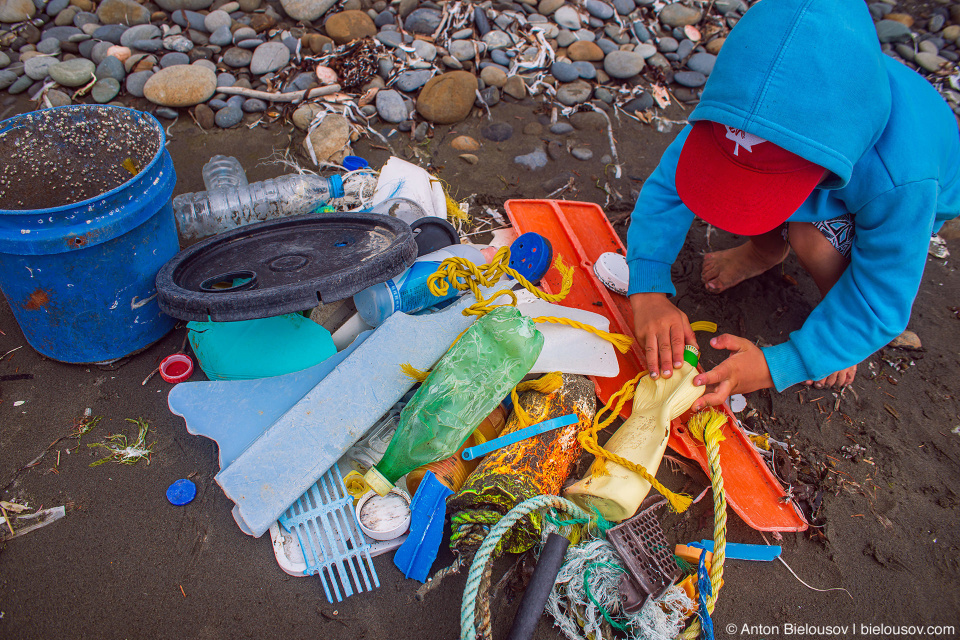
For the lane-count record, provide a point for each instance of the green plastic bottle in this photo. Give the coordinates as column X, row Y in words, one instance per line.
column 474, row 376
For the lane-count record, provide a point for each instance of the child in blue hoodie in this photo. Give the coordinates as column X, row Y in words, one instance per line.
column 806, row 136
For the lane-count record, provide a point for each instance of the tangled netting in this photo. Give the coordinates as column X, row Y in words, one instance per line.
column 585, row 600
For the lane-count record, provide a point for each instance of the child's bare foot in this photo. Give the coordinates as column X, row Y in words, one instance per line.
column 728, row 268
column 839, row 379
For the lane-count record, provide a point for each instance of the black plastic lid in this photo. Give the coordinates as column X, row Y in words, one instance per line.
column 285, row 265
column 432, row 233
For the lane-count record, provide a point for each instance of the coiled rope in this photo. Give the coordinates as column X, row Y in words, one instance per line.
column 483, row 560
column 707, row 426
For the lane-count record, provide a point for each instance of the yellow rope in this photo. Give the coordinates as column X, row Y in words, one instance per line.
column 546, row 384
column 417, row 375
column 704, row 325
column 462, row 274
column 707, row 426
column 454, row 210
column 588, row 439
column 618, row 340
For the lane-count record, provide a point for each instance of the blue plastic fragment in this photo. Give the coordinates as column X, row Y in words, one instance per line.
column 511, row 438
column 738, row 551
column 415, row 557
column 181, row 492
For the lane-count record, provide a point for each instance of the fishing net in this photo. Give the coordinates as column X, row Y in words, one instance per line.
column 585, row 600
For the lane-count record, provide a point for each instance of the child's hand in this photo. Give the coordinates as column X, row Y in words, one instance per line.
column 744, row 371
column 662, row 331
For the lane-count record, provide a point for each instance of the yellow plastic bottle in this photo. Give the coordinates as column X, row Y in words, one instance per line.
column 616, row 492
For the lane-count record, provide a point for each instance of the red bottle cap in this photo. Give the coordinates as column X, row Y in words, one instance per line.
column 176, row 368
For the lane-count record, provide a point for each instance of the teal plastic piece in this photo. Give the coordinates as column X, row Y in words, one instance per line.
column 738, row 551
column 262, row 348
column 522, row 434
column 416, row 555
column 234, row 413
column 333, row 545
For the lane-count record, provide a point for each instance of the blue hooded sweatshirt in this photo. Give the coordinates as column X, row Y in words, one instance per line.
column 809, row 76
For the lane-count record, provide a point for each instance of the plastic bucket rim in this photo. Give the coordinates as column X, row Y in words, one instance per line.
column 106, row 194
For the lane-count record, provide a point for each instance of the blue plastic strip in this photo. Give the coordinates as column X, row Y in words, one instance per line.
column 517, row 436
column 736, row 551
column 416, row 555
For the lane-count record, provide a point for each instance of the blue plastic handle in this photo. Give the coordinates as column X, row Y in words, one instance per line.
column 738, row 551
column 517, row 436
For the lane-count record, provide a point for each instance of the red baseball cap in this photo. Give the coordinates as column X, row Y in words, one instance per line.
column 740, row 182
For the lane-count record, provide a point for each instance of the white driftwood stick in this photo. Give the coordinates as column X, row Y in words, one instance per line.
column 293, row 96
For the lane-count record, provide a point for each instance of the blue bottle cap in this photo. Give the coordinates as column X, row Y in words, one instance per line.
column 352, row 163
column 531, row 255
column 181, row 492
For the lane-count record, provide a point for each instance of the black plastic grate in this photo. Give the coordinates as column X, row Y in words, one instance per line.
column 646, row 555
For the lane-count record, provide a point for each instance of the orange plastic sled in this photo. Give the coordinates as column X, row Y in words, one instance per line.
column 580, row 232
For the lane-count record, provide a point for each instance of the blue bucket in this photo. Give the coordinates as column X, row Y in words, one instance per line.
column 80, row 276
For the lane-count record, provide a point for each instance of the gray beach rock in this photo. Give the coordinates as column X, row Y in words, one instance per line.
column 237, row 58
column 111, row 67
column 691, row 79
column 269, row 56
column 566, row 16
column 391, row 106
column 576, row 92
column 229, row 116
column 623, row 64
column 306, row 10
column 679, row 15
column 413, row 80
column 136, row 81
column 564, row 71
column 38, row 68
column 423, row 21
column 702, row 62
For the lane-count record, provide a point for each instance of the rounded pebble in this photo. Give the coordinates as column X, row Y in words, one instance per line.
column 229, row 116
column 692, row 79
column 581, row 153
column 254, row 105
column 105, row 90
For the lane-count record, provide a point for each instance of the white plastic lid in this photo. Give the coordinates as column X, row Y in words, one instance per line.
column 611, row 269
column 384, row 517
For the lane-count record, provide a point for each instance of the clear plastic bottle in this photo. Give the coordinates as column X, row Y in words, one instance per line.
column 223, row 172
column 210, row 212
column 408, row 292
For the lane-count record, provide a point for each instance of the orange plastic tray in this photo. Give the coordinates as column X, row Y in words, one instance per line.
column 580, row 232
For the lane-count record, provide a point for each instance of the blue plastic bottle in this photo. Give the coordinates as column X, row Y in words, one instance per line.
column 409, row 292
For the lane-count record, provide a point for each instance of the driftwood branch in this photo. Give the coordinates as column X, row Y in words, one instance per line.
column 293, row 96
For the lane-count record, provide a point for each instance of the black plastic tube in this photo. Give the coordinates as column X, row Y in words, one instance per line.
column 535, row 597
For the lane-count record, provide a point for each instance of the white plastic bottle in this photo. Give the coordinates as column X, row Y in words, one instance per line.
column 207, row 213
column 616, row 492
column 223, row 172
column 408, row 292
